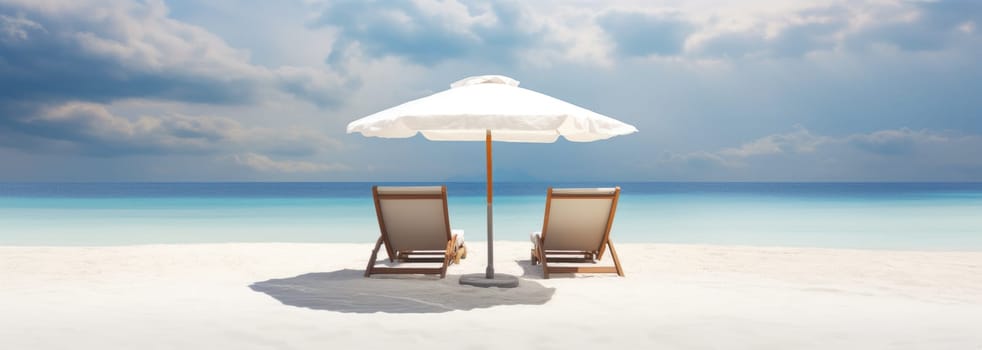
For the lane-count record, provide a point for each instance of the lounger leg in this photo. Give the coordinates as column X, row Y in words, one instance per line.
column 543, row 259
column 371, row 262
column 447, row 257
column 617, row 262
column 391, row 254
column 461, row 253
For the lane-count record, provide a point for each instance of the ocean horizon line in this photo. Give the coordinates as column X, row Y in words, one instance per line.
column 312, row 190
column 496, row 182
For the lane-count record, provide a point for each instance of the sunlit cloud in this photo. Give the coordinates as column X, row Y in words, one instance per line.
column 265, row 164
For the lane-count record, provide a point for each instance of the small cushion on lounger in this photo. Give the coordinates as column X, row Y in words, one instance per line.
column 460, row 236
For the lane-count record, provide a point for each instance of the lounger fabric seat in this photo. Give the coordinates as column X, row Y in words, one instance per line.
column 576, row 229
column 415, row 228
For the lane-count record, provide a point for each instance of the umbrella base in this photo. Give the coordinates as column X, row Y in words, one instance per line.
column 481, row 280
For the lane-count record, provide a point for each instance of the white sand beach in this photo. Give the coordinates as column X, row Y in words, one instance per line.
column 299, row 296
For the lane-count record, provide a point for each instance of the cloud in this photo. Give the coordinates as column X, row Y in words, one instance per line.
column 15, row 29
column 799, row 141
column 92, row 129
column 789, row 33
column 135, row 85
column 701, row 160
column 101, row 51
column 63, row 64
column 803, row 141
column 793, row 30
column 895, row 142
column 925, row 26
column 430, row 32
column 891, row 154
column 263, row 163
column 641, row 34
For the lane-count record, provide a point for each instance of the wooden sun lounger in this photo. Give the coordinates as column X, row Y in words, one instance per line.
column 415, row 228
column 576, row 229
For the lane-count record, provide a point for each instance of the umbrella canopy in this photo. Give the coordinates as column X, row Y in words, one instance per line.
column 486, row 108
column 491, row 102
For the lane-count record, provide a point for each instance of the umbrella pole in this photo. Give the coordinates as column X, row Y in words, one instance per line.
column 489, row 273
column 490, row 279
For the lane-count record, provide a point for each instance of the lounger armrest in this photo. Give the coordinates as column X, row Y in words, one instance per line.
column 585, row 191
column 408, row 190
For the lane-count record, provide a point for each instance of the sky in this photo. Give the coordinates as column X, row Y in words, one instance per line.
column 251, row 90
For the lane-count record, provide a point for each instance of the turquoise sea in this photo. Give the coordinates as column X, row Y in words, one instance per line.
column 921, row 216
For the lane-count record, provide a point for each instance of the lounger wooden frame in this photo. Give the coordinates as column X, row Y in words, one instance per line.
column 451, row 254
column 540, row 254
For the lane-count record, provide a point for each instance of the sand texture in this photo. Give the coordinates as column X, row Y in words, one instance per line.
column 305, row 296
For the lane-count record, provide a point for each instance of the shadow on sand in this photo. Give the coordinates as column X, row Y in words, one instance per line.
column 349, row 291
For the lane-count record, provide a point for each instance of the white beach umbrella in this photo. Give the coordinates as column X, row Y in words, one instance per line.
column 486, row 108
